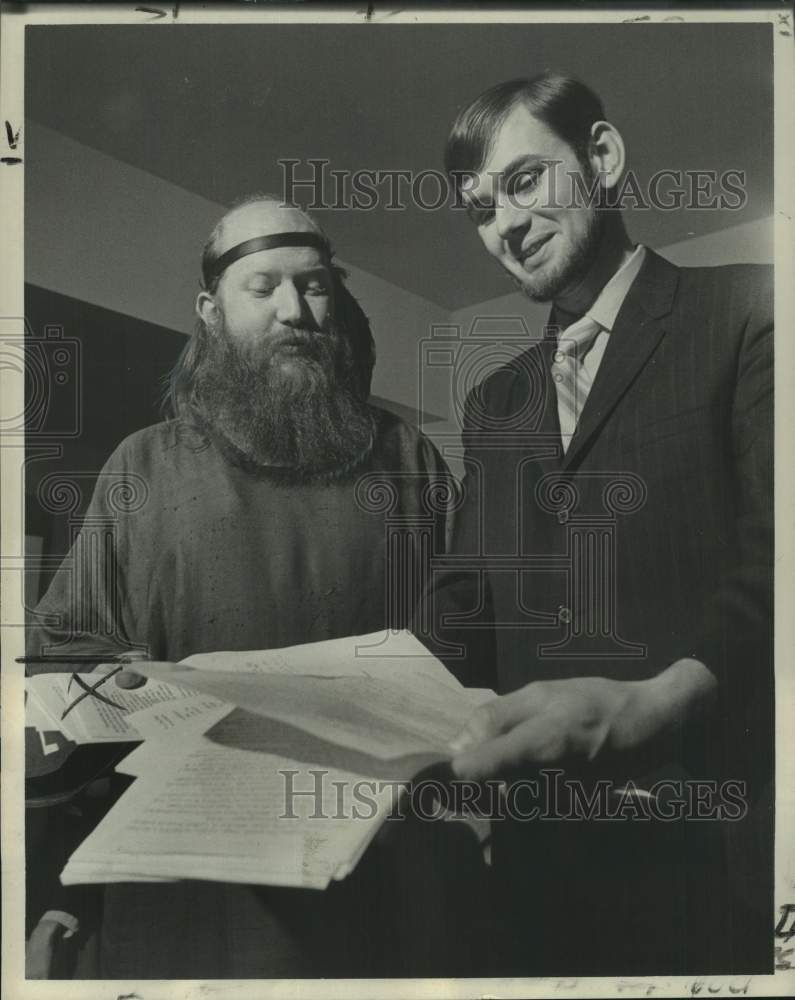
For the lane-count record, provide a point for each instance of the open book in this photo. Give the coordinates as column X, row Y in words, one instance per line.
column 52, row 706
column 279, row 766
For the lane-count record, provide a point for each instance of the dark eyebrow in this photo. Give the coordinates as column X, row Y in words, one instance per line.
column 523, row 160
column 473, row 204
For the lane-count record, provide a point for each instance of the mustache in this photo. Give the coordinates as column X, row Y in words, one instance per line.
column 328, row 353
column 298, row 335
column 314, row 343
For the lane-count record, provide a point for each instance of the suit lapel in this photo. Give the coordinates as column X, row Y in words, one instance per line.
column 548, row 432
column 639, row 327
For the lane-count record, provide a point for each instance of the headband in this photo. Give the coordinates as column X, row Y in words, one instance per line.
column 216, row 268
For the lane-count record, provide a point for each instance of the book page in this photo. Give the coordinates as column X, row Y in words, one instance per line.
column 92, row 720
column 383, row 654
column 385, row 718
column 246, row 817
column 37, row 718
column 170, row 728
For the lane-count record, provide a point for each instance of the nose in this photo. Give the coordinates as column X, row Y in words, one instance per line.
column 289, row 304
column 511, row 219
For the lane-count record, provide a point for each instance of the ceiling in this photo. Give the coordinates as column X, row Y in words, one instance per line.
column 212, row 109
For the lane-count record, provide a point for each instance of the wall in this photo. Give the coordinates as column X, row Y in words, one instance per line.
column 111, row 257
column 114, row 236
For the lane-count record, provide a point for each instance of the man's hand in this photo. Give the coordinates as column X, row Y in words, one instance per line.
column 578, row 722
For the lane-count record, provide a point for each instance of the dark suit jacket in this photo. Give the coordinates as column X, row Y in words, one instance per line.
column 651, row 538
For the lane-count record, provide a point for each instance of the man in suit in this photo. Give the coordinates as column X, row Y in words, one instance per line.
column 617, row 591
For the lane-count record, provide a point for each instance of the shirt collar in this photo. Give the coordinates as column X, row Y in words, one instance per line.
column 611, row 298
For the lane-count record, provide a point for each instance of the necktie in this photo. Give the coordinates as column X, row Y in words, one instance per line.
column 572, row 380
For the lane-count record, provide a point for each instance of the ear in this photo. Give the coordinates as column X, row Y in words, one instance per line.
column 607, row 153
column 206, row 309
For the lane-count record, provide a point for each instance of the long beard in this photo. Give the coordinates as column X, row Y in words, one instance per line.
column 299, row 412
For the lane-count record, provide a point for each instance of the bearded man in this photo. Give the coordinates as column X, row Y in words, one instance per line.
column 246, row 532
column 236, row 526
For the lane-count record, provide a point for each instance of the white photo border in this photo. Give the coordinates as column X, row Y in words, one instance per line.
column 14, row 986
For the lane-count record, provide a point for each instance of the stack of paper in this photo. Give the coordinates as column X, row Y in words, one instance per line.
column 93, row 719
column 284, row 772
